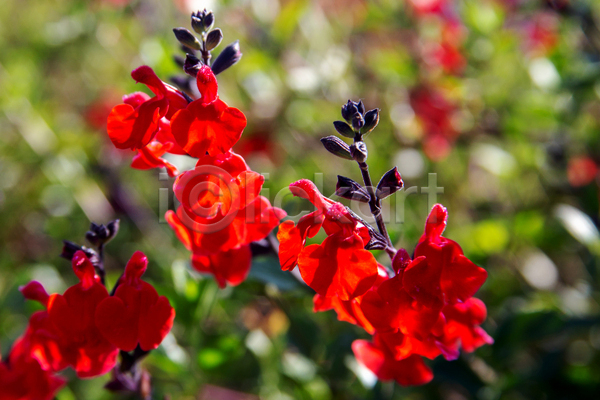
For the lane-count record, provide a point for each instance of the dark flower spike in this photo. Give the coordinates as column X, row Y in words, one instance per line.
column 359, row 152
column 351, row 190
column 183, row 83
column 100, row 234
column 186, row 38
column 390, row 183
column 213, row 39
column 348, row 110
column 229, row 56
column 192, row 65
column 336, row 147
column 371, row 120
column 343, row 129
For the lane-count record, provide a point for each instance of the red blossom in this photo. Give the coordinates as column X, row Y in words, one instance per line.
column 409, row 371
column 390, row 308
column 133, row 124
column 444, row 275
column 207, row 125
column 135, row 314
column 23, row 378
column 221, row 213
column 330, row 215
column 65, row 334
column 349, row 310
column 340, row 266
column 462, row 326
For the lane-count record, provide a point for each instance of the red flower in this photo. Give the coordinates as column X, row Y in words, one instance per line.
column 132, row 125
column 221, row 211
column 402, row 346
column 332, row 216
column 409, row 371
column 207, row 125
column 23, row 378
column 135, row 314
column 66, row 334
column 349, row 310
column 462, row 326
column 390, row 308
column 340, row 266
column 443, row 275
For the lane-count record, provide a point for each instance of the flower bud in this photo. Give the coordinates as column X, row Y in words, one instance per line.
column 197, row 22
column 361, row 107
column 229, row 56
column 192, row 65
column 348, row 110
column 351, row 190
column 390, row 183
column 336, row 147
column 359, row 151
column 371, row 120
column 186, row 38
column 70, row 248
column 343, row 129
column 208, row 20
column 357, row 121
column 213, row 39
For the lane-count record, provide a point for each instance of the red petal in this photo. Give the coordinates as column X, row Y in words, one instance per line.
column 407, row 372
column 290, row 245
column 338, row 267
column 212, row 128
column 436, row 223
column 230, row 267
column 207, row 85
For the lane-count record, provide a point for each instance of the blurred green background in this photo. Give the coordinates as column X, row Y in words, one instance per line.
column 501, row 99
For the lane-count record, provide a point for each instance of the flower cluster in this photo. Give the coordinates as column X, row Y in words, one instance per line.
column 85, row 328
column 221, row 211
column 421, row 307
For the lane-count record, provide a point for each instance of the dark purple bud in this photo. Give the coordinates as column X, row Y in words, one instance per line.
column 191, row 65
column 357, row 121
column 390, row 183
column 186, row 38
column 197, row 22
column 336, row 147
column 348, row 110
column 361, row 107
column 70, row 248
column 229, row 56
column 371, row 120
column 213, row 39
column 351, row 190
column 208, row 20
column 343, row 129
column 359, row 151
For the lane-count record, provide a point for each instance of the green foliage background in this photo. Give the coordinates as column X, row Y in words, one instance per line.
column 505, row 185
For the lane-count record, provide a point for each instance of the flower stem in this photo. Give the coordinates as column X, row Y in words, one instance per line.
column 375, row 206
